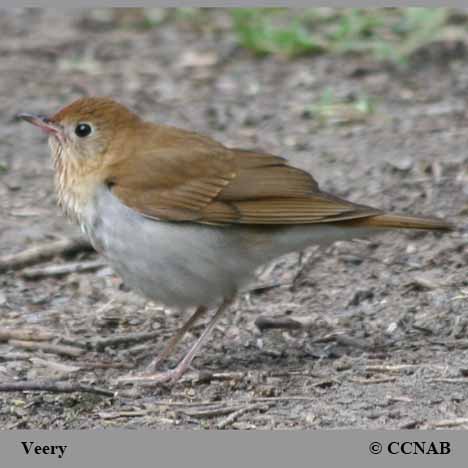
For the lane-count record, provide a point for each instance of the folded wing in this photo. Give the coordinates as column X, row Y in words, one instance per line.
column 189, row 177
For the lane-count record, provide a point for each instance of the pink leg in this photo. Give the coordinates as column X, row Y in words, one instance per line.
column 175, row 374
column 172, row 343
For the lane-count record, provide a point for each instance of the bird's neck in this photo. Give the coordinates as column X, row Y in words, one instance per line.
column 74, row 185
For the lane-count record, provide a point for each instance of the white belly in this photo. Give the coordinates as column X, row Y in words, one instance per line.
column 188, row 264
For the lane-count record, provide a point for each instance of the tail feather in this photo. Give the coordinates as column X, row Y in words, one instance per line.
column 395, row 221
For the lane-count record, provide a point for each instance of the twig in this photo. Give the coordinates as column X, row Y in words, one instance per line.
column 30, row 334
column 249, row 401
column 61, row 270
column 181, row 403
column 36, row 334
column 232, row 417
column 53, row 387
column 448, row 380
column 286, row 398
column 287, row 322
column 122, row 414
column 460, row 344
column 70, row 344
column 300, row 373
column 211, row 412
column 207, row 376
column 343, row 340
column 391, row 369
column 373, row 381
column 15, row 357
column 99, row 344
column 448, row 423
column 399, row 399
column 54, row 366
column 64, row 350
column 43, row 252
column 105, row 365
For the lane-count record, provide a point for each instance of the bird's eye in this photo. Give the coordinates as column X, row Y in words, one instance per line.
column 83, row 130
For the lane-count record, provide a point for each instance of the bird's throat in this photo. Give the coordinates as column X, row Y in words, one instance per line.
column 74, row 186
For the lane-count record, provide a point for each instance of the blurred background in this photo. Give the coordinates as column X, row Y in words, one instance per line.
column 374, row 102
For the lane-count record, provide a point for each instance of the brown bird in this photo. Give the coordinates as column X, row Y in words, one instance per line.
column 184, row 219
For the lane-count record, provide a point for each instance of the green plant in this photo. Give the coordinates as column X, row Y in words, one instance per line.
column 389, row 34
column 331, row 110
column 257, row 32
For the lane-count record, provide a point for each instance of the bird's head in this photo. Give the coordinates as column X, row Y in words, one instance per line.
column 84, row 131
column 85, row 138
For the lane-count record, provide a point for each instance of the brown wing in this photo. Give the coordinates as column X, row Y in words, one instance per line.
column 182, row 176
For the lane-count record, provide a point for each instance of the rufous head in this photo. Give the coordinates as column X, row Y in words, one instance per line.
column 83, row 138
column 83, row 131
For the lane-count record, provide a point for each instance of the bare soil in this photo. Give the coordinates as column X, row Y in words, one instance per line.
column 386, row 344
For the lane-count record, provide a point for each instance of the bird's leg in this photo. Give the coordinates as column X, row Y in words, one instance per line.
column 175, row 374
column 172, row 343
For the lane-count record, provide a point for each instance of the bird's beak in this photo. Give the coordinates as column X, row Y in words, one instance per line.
column 43, row 122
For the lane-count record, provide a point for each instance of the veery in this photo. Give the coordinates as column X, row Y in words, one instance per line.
column 184, row 219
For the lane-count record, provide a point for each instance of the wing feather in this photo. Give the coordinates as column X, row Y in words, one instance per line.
column 183, row 176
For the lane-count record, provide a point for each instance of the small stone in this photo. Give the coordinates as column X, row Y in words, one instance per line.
column 360, row 296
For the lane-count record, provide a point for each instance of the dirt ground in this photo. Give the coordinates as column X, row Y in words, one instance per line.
column 386, row 341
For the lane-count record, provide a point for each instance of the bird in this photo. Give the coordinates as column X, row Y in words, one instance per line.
column 183, row 218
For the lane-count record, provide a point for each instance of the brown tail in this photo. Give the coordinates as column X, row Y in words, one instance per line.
column 394, row 221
